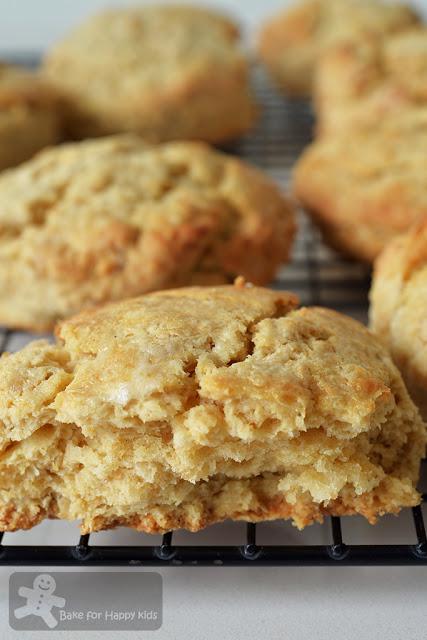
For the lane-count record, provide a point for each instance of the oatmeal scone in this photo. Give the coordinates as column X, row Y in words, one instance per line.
column 183, row 408
column 28, row 115
column 398, row 311
column 164, row 72
column 85, row 223
column 360, row 84
column 365, row 187
column 292, row 43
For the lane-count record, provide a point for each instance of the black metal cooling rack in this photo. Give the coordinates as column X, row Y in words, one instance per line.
column 319, row 277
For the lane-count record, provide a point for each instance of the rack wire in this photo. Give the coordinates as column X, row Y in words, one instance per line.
column 318, row 276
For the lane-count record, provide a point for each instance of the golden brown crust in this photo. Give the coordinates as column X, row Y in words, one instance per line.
column 28, row 115
column 360, row 84
column 292, row 43
column 398, row 307
column 186, row 407
column 362, row 189
column 90, row 222
column 164, row 72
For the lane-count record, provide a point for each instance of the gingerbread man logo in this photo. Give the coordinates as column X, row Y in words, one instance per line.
column 40, row 600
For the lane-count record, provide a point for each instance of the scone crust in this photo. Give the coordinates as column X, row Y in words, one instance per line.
column 292, row 43
column 28, row 115
column 399, row 307
column 358, row 85
column 362, row 189
column 186, row 407
column 164, row 72
column 87, row 223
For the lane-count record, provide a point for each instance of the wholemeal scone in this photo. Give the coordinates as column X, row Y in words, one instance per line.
column 183, row 408
column 398, row 311
column 292, row 43
column 365, row 187
column 85, row 223
column 360, row 84
column 164, row 72
column 28, row 115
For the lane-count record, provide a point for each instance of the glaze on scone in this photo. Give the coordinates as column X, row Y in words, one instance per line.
column 164, row 72
column 90, row 222
column 28, row 115
column 398, row 310
column 183, row 408
column 360, row 84
column 365, row 187
column 292, row 43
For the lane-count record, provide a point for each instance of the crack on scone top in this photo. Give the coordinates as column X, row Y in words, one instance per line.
column 281, row 309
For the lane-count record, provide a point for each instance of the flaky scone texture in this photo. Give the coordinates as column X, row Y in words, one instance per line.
column 85, row 223
column 398, row 311
column 292, row 43
column 183, row 408
column 164, row 72
column 360, row 84
column 28, row 115
column 366, row 187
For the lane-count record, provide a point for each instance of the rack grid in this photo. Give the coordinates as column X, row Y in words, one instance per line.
column 318, row 276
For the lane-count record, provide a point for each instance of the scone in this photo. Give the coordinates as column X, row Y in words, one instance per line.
column 85, row 223
column 398, row 310
column 292, row 43
column 164, row 72
column 28, row 115
column 183, row 408
column 365, row 187
column 360, row 84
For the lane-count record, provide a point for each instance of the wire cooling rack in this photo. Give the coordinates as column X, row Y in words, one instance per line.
column 318, row 276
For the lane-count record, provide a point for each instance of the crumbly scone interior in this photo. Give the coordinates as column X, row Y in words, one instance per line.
column 254, row 413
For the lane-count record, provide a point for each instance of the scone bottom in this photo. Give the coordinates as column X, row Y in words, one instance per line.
column 186, row 407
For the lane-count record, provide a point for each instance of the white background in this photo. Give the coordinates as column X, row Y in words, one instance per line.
column 315, row 603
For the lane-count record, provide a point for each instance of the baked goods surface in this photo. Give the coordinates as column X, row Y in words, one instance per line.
column 398, row 310
column 89, row 222
column 164, row 72
column 360, row 84
column 292, row 43
column 183, row 408
column 366, row 187
column 28, row 115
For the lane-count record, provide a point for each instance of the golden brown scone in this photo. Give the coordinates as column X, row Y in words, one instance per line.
column 292, row 43
column 365, row 187
column 398, row 310
column 28, row 115
column 164, row 72
column 90, row 222
column 360, row 84
column 186, row 407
